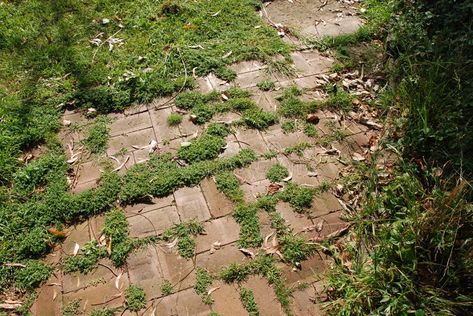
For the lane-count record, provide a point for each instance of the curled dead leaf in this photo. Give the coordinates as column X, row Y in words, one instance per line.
column 56, row 232
column 247, row 252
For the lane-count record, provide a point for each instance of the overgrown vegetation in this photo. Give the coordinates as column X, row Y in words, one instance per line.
column 248, row 300
column 184, row 232
column 276, row 173
column 203, row 280
column 410, row 251
column 228, row 184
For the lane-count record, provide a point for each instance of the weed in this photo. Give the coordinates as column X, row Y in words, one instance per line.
column 276, row 173
column 259, row 119
column 266, row 85
column 174, row 119
column 270, row 154
column 32, row 275
column 300, row 198
column 295, row 249
column 116, row 230
column 97, row 138
column 166, row 288
column 212, row 313
column 297, row 149
column 103, row 312
column 339, row 100
column 135, row 298
column 290, row 104
column 86, row 261
column 203, row 280
column 248, row 300
column 186, row 247
column 72, row 308
column 189, row 100
column 205, row 147
column 250, row 234
column 289, row 126
column 228, row 184
column 310, row 130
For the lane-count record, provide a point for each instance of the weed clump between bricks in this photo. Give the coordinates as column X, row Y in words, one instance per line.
column 135, row 298
column 277, row 172
column 248, row 300
column 203, row 280
column 230, row 186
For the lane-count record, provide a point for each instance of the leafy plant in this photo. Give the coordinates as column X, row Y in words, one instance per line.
column 174, row 119
column 276, row 173
column 259, row 119
column 203, row 280
column 166, row 288
column 248, row 300
column 135, row 298
column 98, row 135
column 116, row 230
column 250, row 234
column 266, row 85
column 228, row 184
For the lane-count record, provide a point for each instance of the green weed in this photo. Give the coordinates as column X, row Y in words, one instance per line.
column 72, row 309
column 84, row 262
column 103, row 312
column 299, row 197
column 135, row 298
column 295, row 249
column 166, row 288
column 297, row 149
column 186, row 247
column 276, row 173
column 259, row 119
column 310, row 130
column 250, row 233
column 228, row 184
column 203, row 280
column 266, row 85
column 116, row 230
column 97, row 137
column 206, row 147
column 174, row 119
column 248, row 300
column 289, row 126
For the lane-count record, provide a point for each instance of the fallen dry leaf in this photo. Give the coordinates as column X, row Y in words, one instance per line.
column 56, row 232
column 210, row 291
column 76, row 249
column 358, row 157
column 273, row 188
column 247, row 252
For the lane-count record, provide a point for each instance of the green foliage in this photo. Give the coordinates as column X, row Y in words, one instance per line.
column 203, row 280
column 189, row 100
column 339, row 100
column 299, row 197
column 289, row 126
column 186, row 247
column 310, row 130
column 97, row 137
column 116, row 229
column 166, row 288
column 103, row 312
column 247, row 217
column 259, row 119
column 32, row 275
column 295, row 249
column 297, row 149
column 290, row 104
column 206, row 147
column 228, row 184
column 135, row 298
column 266, row 85
column 72, row 309
column 276, row 173
column 248, row 300
column 174, row 119
column 86, row 260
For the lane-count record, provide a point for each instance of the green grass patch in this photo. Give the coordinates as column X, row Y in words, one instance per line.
column 86, row 260
column 297, row 149
column 228, row 184
column 289, row 126
column 266, row 85
column 276, row 173
column 166, row 288
column 103, row 312
column 259, row 119
column 250, row 230
column 203, row 280
column 116, row 230
column 299, row 197
column 135, row 298
column 248, row 300
column 97, row 135
column 174, row 119
column 206, row 147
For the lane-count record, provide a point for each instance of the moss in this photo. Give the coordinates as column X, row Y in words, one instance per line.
column 339, row 100
column 72, row 308
column 174, row 119
column 290, row 105
column 276, row 173
column 135, row 298
column 189, row 100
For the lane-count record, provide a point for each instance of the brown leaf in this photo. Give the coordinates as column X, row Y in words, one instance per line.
column 247, row 252
column 273, row 188
column 58, row 233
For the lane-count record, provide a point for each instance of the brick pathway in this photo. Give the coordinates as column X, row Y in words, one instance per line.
column 150, row 266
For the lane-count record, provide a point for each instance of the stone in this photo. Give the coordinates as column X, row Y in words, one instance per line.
column 131, row 141
column 127, row 124
column 219, row 205
column 48, row 298
column 323, row 204
column 88, row 171
column 247, row 66
column 298, row 222
column 254, row 190
column 185, row 302
column 250, row 79
column 250, row 138
column 153, row 204
column 256, row 171
column 144, row 269
column 264, row 295
column 77, row 234
column 154, row 222
column 177, row 270
column 303, row 302
column 233, row 147
column 223, row 257
column 227, row 299
column 191, row 204
column 161, row 126
column 223, row 230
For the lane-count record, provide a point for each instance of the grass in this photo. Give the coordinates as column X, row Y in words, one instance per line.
column 174, row 119
column 116, row 230
column 97, row 135
column 250, row 230
column 289, row 126
column 266, row 85
column 203, row 280
column 297, row 149
column 184, row 233
column 259, row 119
column 299, row 197
column 135, row 298
column 103, row 312
column 248, row 300
column 72, row 309
column 277, row 173
column 86, row 260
